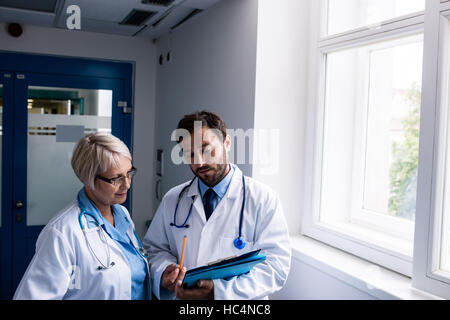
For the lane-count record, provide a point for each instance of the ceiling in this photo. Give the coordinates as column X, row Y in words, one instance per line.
column 106, row 16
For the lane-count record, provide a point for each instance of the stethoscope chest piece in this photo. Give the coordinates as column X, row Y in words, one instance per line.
column 112, row 264
column 239, row 243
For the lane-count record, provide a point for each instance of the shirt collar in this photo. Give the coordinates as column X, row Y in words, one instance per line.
column 120, row 219
column 121, row 224
column 221, row 188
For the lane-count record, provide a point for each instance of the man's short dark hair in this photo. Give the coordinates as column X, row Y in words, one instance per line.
column 208, row 119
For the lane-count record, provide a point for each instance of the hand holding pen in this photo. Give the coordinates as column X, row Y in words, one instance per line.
column 174, row 273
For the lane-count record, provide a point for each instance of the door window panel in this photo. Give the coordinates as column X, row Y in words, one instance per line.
column 57, row 119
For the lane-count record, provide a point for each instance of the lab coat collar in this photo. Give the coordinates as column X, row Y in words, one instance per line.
column 193, row 189
column 87, row 205
column 235, row 188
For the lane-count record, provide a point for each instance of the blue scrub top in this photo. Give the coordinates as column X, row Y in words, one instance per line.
column 138, row 267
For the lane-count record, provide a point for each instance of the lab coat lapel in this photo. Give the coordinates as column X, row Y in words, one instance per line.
column 235, row 188
column 198, row 209
column 132, row 237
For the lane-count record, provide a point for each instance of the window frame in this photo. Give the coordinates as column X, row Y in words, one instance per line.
column 433, row 143
column 320, row 47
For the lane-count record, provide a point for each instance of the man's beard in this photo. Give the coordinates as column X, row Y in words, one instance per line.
column 219, row 174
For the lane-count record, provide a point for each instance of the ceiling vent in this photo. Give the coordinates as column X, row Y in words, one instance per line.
column 189, row 16
column 41, row 6
column 164, row 3
column 137, row 17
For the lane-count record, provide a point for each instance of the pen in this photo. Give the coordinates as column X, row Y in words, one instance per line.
column 182, row 253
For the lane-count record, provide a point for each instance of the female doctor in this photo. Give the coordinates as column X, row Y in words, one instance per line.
column 242, row 215
column 90, row 249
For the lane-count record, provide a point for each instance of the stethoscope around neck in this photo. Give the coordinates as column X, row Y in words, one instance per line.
column 239, row 243
column 109, row 264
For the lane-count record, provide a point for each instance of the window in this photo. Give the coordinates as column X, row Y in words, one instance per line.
column 370, row 143
column 380, row 84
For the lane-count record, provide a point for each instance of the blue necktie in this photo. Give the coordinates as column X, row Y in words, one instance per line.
column 208, row 203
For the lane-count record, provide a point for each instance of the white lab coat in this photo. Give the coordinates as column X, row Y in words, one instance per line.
column 63, row 266
column 264, row 228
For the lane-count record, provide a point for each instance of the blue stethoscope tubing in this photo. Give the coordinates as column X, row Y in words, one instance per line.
column 239, row 243
column 109, row 264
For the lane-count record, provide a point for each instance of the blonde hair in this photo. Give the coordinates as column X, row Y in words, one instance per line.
column 95, row 154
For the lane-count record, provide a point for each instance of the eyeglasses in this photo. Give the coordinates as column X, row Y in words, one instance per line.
column 119, row 180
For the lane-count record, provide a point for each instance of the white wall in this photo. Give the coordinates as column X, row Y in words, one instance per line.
column 95, row 45
column 281, row 97
column 213, row 68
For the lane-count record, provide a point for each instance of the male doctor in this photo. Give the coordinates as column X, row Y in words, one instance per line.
column 207, row 210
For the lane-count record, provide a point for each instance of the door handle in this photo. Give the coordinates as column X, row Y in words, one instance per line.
column 19, row 204
column 158, row 189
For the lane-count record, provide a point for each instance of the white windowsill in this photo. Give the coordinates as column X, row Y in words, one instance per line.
column 375, row 280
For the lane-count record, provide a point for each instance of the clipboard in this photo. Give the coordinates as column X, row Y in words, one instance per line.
column 224, row 269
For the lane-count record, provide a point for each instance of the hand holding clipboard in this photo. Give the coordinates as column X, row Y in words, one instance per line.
column 224, row 269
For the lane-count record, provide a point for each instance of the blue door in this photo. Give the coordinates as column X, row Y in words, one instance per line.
column 6, row 161
column 49, row 103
